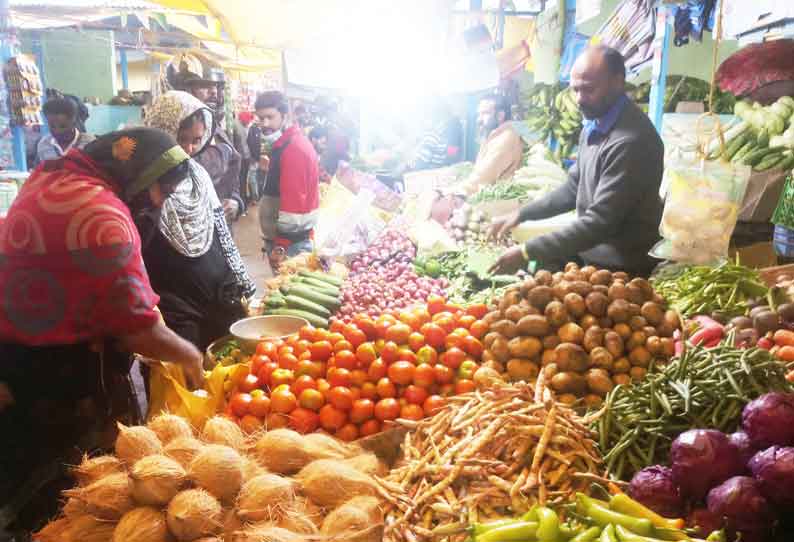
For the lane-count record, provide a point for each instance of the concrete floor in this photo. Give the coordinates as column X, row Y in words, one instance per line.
column 249, row 242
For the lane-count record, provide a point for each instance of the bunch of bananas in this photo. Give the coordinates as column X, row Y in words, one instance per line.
column 552, row 111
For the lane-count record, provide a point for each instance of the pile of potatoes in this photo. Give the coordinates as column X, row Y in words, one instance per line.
column 587, row 329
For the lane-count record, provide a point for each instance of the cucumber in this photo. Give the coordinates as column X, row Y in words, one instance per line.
column 734, row 146
column 275, row 301
column 297, row 302
column 334, row 281
column 747, row 148
column 318, row 285
column 757, row 156
column 787, row 164
column 770, row 161
column 313, row 319
column 327, row 301
column 763, row 137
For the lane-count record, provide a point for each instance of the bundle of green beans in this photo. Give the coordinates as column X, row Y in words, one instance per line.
column 728, row 288
column 703, row 388
column 502, row 191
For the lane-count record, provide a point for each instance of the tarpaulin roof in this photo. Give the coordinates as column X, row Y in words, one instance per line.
column 36, row 14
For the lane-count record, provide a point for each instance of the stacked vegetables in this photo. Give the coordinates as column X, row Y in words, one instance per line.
column 311, row 295
column 166, row 482
column 468, row 224
column 745, row 479
column 589, row 329
column 552, row 111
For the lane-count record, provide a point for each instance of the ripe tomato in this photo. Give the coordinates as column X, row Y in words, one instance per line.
column 433, row 405
column 249, row 384
column 467, row 369
column 358, row 378
column 250, row 424
column 434, row 335
column 427, row 354
column 369, row 391
column 422, row 315
column 478, row 329
column 398, row 333
column 389, row 352
column 473, row 347
column 266, row 348
column 478, row 310
column 283, row 350
column 321, row 350
column 410, row 320
column 367, row 326
column 257, row 361
column 446, row 390
column 301, row 347
column 332, row 419
column 307, row 333
column 306, row 367
column 363, row 410
column 305, row 356
column 435, row 304
column 301, row 383
column 386, row 389
column 281, row 376
column 416, row 341
column 336, row 325
column 341, row 397
column 453, row 357
column 348, row 433
column 288, row 361
column 344, row 344
column 276, row 420
column 424, row 375
column 369, row 427
column 283, row 401
column 464, row 386
column 260, row 406
column 412, row 412
column 345, row 360
column 354, row 336
column 401, row 372
column 382, row 325
column 406, row 354
column 466, row 321
column 454, row 340
column 304, row 420
column 415, row 394
column 334, row 337
column 323, row 386
column 446, row 321
column 240, row 404
column 443, row 374
column 338, row 377
column 311, row 399
column 387, row 409
column 377, row 370
column 365, row 353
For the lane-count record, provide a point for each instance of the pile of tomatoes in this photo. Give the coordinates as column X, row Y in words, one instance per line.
column 354, row 378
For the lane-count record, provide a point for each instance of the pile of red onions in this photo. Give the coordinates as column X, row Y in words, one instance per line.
column 391, row 247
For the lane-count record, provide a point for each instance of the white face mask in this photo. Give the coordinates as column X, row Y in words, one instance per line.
column 271, row 138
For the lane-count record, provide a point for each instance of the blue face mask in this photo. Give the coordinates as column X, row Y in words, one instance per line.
column 272, row 137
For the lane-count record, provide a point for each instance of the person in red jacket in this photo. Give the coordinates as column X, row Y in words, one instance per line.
column 288, row 163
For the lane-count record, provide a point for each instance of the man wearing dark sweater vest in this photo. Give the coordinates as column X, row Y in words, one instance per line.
column 614, row 184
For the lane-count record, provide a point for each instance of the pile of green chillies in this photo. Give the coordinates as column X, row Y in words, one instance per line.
column 703, row 388
column 727, row 289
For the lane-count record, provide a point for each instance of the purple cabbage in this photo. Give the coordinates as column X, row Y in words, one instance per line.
column 654, row 487
column 702, row 459
column 740, row 502
column 769, row 420
column 742, row 443
column 773, row 469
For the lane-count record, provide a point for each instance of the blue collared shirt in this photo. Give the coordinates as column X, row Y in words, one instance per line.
column 603, row 124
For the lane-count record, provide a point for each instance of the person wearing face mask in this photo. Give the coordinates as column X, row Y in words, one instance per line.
column 61, row 115
column 192, row 260
column 289, row 167
column 613, row 186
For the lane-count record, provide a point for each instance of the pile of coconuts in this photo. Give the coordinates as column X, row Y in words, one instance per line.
column 165, row 483
column 587, row 329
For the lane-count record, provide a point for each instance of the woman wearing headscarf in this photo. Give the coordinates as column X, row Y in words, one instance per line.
column 75, row 301
column 193, row 262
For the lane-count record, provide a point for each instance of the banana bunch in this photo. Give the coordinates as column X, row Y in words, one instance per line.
column 552, row 111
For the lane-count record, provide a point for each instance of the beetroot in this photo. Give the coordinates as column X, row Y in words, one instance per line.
column 654, row 487
column 701, row 459
column 769, row 420
column 773, row 469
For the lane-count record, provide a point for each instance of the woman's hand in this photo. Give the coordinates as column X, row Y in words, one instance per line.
column 6, row 397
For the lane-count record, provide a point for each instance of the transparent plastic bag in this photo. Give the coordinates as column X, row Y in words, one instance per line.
column 700, row 211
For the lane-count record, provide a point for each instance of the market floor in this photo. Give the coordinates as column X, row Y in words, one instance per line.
column 249, row 241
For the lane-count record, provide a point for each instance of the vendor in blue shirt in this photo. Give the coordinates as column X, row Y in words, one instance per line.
column 613, row 186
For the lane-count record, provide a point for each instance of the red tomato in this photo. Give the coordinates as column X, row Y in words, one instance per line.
column 358, row 378
column 265, row 372
column 345, row 360
column 305, row 368
column 415, row 395
column 398, row 333
column 260, row 406
column 257, row 361
column 446, row 390
column 336, row 325
column 424, row 375
column 406, row 354
column 307, row 333
column 323, row 387
column 467, row 369
column 416, row 341
column 288, row 361
column 382, row 326
column 335, row 337
column 283, row 401
column 281, row 376
column 365, row 353
column 446, row 321
column 348, row 433
column 466, row 321
column 454, row 340
column 443, row 374
column 301, row 383
column 478, row 329
column 355, row 336
column 410, row 320
column 341, row 398
column 427, row 354
column 249, row 383
column 473, row 347
column 433, row 405
column 369, row 427
column 338, row 377
column 401, row 372
column 304, row 420
column 283, row 350
column 464, row 386
column 343, row 345
column 386, row 389
column 453, row 357
column 331, row 418
column 240, row 404
column 435, row 304
column 387, row 409
column 266, row 348
column 478, row 310
column 369, row 391
column 367, row 326
column 362, row 410
column 301, row 347
column 434, row 335
column 389, row 352
column 321, row 350
column 311, row 399
column 412, row 412
column 377, row 370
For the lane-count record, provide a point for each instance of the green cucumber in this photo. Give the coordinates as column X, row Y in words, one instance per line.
column 313, row 319
column 318, row 285
column 757, row 156
column 763, row 137
column 331, row 279
column 788, row 163
column 297, row 302
column 733, row 146
column 770, row 161
column 327, row 301
column 745, row 149
column 275, row 301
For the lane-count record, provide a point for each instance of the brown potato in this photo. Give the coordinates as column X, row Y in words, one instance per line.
column 599, row 381
column 567, row 382
column 550, row 370
column 639, row 356
column 571, row 333
column 550, row 342
column 533, row 325
column 556, row 313
column 637, row 338
column 637, row 323
column 664, row 330
column 508, row 300
column 500, row 350
column 571, row 357
column 621, row 365
column 587, row 271
column 528, row 308
column 521, row 369
column 601, row 358
column 491, row 317
column 622, row 379
column 614, row 343
column 524, row 347
column 592, row 401
column 505, row 328
column 581, row 287
column 548, row 356
column 601, row 277
column 634, row 310
column 561, row 289
column 540, row 296
column 672, row 320
column 606, row 323
column 587, row 321
column 652, row 312
column 597, row 304
column 668, row 347
column 623, row 330
column 568, row 399
column 527, row 286
column 638, row 373
column 634, row 294
column 644, row 286
column 543, row 277
column 490, row 338
column 617, row 291
column 618, row 310
column 571, row 267
column 593, row 338
column 557, row 277
column 495, row 365
column 487, row 356
column 654, row 346
column 515, row 313
column 574, row 304
column 601, row 289
column 621, row 275
column 650, row 331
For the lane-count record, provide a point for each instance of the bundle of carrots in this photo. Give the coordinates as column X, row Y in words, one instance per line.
column 487, row 455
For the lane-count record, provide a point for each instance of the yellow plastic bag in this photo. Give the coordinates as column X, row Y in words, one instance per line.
column 168, row 393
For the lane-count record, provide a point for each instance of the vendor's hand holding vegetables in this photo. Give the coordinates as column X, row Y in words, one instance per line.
column 613, row 186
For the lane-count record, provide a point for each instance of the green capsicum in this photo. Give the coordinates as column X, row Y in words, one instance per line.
column 603, row 516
